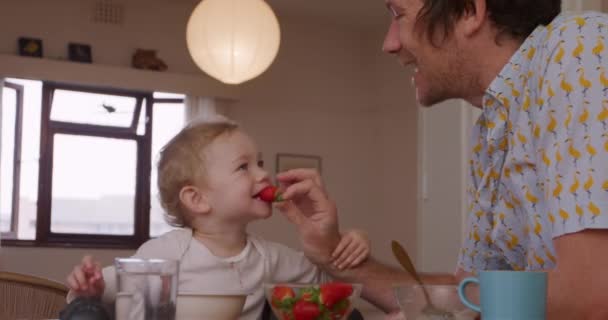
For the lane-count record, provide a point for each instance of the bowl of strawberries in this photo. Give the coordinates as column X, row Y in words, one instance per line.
column 327, row 301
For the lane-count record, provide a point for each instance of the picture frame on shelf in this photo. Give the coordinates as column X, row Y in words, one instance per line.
column 79, row 52
column 30, row 47
column 288, row 161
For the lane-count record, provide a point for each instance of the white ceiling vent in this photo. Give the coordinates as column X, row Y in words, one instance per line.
column 108, row 12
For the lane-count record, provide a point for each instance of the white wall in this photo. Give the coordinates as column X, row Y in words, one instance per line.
column 330, row 92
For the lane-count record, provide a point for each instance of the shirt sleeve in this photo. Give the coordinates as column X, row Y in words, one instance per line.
column 574, row 141
column 478, row 250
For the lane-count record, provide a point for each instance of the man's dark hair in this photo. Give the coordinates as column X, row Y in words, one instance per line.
column 515, row 18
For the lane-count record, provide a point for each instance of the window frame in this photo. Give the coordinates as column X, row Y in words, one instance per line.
column 16, row 158
column 44, row 237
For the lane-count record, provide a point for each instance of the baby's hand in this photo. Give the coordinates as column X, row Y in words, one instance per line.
column 86, row 279
column 354, row 247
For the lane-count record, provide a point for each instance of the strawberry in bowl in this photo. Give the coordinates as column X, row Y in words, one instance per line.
column 328, row 301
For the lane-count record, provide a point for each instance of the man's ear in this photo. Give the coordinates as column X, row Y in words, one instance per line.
column 194, row 200
column 473, row 19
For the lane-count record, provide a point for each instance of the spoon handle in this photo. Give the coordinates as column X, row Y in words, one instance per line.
column 405, row 261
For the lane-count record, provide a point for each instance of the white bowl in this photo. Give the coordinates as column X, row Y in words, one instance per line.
column 197, row 306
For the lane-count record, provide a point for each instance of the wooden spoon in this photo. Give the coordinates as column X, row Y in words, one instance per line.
column 405, row 261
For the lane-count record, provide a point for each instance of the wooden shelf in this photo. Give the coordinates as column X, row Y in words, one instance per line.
column 113, row 76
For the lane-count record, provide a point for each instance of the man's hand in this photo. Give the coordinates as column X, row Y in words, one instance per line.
column 308, row 207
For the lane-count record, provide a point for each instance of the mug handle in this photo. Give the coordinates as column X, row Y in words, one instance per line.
column 463, row 284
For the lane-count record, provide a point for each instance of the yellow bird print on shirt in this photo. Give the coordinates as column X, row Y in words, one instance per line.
column 559, row 56
column 605, row 135
column 503, row 144
column 605, row 186
column 548, row 253
column 564, row 215
column 603, row 78
column 603, row 115
column 584, row 117
column 551, row 218
column 565, row 85
column 590, row 149
column 475, row 234
column 568, row 116
column 504, row 100
column 545, row 158
column 580, row 213
column 477, row 149
column 581, row 22
column 550, row 92
column 539, row 260
column 513, row 241
column 473, row 254
column 517, row 167
column 552, row 123
column 580, row 48
column 536, row 130
column 574, row 153
column 557, row 191
column 599, row 48
column 488, row 237
column 575, row 185
column 525, row 106
column 538, row 227
column 501, row 218
column 595, row 211
column 589, row 183
column 558, row 155
column 514, row 92
column 531, row 53
column 584, row 82
column 522, row 139
column 530, row 197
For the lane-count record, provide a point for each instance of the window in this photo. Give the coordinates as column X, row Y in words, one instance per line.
column 96, row 181
column 11, row 115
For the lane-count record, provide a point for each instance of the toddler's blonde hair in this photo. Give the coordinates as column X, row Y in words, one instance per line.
column 182, row 163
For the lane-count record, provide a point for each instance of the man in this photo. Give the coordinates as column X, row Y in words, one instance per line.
column 539, row 166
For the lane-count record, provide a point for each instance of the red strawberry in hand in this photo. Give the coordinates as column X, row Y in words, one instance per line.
column 333, row 292
column 306, row 310
column 270, row 194
column 281, row 295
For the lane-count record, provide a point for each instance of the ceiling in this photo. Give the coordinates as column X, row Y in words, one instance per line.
column 351, row 13
column 356, row 13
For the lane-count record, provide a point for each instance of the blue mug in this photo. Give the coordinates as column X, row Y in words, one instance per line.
column 508, row 295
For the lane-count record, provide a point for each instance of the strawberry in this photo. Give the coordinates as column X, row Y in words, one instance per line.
column 340, row 309
column 282, row 297
column 305, row 310
column 270, row 194
column 333, row 292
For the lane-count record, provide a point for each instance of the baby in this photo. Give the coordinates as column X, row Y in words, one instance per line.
column 209, row 180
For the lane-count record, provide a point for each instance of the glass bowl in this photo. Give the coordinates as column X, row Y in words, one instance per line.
column 333, row 300
column 412, row 302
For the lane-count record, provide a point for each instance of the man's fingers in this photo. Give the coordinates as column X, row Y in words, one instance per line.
column 291, row 212
column 297, row 175
column 297, row 190
column 304, row 188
